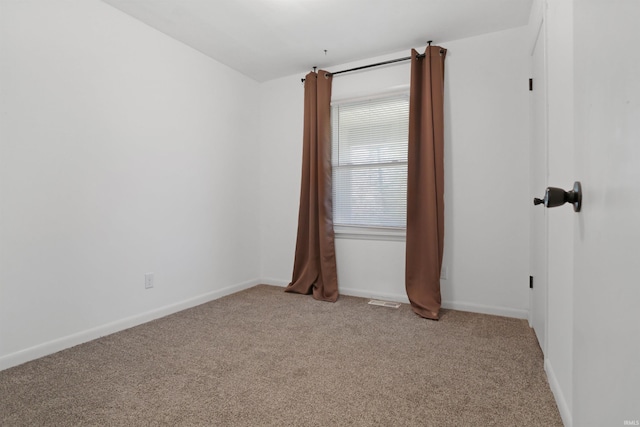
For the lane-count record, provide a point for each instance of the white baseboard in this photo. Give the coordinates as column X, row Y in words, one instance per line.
column 63, row 343
column 352, row 292
column 565, row 411
column 349, row 292
column 68, row 341
column 454, row 305
column 402, row 298
column 486, row 309
column 276, row 282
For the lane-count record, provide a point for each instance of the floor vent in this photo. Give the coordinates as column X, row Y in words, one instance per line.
column 384, row 303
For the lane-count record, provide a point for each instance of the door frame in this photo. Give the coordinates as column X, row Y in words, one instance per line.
column 540, row 280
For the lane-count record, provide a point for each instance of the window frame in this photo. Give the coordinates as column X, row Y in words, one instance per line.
column 370, row 232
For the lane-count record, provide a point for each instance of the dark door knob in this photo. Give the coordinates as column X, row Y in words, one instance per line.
column 557, row 197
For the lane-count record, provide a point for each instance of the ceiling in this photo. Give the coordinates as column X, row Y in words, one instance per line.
column 267, row 39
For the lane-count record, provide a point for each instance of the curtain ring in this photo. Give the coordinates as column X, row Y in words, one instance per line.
column 327, row 75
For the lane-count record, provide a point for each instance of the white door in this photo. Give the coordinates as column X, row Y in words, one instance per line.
column 538, row 182
column 606, row 336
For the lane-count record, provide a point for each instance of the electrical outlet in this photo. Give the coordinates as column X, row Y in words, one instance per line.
column 443, row 273
column 148, row 280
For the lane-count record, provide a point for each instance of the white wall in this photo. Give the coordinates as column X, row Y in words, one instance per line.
column 118, row 145
column 486, row 177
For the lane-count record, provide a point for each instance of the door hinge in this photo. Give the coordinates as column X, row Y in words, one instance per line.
column 530, row 84
column 530, row 282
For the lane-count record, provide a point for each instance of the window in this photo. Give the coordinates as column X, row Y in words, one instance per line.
column 369, row 160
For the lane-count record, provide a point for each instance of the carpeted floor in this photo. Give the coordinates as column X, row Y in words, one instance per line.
column 262, row 357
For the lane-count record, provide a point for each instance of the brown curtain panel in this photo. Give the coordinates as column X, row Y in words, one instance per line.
column 314, row 268
column 425, row 185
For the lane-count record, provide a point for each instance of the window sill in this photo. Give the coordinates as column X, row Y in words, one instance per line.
column 369, row 233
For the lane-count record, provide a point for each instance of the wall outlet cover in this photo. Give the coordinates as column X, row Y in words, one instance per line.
column 148, row 280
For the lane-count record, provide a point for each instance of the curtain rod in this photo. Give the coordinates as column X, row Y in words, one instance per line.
column 377, row 64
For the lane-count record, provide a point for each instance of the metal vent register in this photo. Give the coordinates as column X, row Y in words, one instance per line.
column 384, row 303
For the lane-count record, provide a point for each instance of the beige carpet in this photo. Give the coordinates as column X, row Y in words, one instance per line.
column 262, row 357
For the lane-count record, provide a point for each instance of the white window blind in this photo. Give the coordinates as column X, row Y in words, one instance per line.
column 369, row 159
